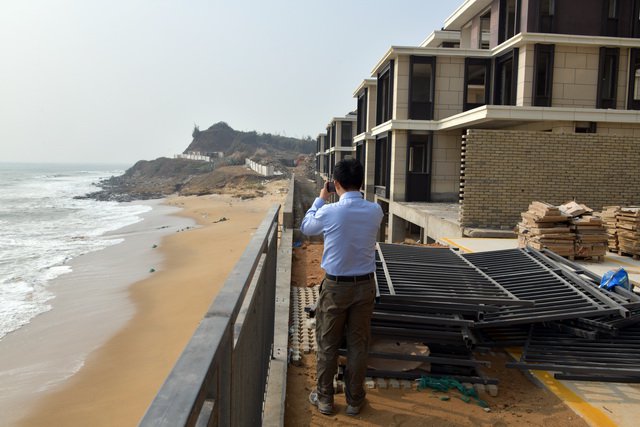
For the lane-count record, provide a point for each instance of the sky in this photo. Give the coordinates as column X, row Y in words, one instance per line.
column 117, row 81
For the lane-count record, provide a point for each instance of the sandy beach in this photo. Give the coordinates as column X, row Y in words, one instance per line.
column 137, row 341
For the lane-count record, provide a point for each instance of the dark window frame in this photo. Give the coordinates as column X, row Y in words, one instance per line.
column 382, row 173
column 384, row 113
column 634, row 64
column 422, row 177
column 546, row 23
column 486, row 62
column 503, row 31
column 500, row 64
column 544, row 100
column 348, row 141
column 429, row 60
column 610, row 27
column 361, row 122
column 605, row 81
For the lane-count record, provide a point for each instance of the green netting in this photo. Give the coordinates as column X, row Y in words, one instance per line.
column 445, row 384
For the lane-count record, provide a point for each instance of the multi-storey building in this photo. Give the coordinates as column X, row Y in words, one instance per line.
column 364, row 142
column 338, row 143
column 322, row 155
column 513, row 100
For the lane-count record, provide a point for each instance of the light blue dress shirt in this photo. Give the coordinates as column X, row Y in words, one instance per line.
column 350, row 227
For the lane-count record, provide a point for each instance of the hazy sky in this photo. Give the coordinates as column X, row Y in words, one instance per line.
column 117, row 81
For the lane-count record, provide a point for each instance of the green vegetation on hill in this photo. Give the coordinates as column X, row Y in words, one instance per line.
column 221, row 137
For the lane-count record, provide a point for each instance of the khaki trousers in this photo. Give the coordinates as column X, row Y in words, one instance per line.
column 343, row 305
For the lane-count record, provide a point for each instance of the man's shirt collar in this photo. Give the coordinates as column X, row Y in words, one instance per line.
column 351, row 195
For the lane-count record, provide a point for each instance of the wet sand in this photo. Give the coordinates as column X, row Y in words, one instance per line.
column 119, row 379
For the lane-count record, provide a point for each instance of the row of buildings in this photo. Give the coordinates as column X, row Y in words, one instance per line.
column 511, row 101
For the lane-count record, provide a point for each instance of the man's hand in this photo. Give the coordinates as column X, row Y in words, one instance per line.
column 324, row 193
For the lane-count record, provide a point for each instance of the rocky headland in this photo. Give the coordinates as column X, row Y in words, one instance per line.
column 225, row 172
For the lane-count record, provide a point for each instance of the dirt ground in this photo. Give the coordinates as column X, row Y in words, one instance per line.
column 520, row 402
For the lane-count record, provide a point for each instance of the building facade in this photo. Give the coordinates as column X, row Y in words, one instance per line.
column 474, row 113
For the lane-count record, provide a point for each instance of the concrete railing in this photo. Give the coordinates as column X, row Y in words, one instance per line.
column 257, row 167
column 287, row 210
column 221, row 376
column 277, row 384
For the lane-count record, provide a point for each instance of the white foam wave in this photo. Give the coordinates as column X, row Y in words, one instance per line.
column 43, row 228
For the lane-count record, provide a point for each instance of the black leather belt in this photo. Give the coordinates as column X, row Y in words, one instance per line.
column 352, row 279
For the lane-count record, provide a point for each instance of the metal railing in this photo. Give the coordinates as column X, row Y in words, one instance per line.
column 221, row 376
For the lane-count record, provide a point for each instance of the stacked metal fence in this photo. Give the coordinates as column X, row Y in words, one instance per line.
column 457, row 303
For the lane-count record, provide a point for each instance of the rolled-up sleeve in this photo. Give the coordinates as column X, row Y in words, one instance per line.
column 312, row 224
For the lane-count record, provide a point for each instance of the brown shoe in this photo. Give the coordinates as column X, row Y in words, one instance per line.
column 323, row 408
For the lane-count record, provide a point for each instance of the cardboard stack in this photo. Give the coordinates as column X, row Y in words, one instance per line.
column 545, row 226
column 609, row 217
column 628, row 229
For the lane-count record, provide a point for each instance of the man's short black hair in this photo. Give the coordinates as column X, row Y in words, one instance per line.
column 349, row 173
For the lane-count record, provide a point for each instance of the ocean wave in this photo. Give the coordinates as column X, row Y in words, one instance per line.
column 43, row 228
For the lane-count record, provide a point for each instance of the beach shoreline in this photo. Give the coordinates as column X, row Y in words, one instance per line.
column 40, row 356
column 121, row 375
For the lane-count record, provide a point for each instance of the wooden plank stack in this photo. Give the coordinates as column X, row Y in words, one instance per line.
column 628, row 230
column 545, row 226
column 609, row 217
column 591, row 236
column 570, row 230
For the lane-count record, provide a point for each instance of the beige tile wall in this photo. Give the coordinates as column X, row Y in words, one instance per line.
column 445, row 166
column 524, row 91
column 449, row 86
column 401, row 89
column 398, row 165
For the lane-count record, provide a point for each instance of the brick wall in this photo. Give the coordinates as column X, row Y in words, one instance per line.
column 503, row 171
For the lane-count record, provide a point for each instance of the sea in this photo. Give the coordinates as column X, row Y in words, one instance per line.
column 43, row 227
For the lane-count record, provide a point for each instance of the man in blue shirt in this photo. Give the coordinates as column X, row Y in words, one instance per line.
column 347, row 293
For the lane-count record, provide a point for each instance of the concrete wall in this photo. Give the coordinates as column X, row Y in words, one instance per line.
column 257, row 167
column 445, row 166
column 505, row 170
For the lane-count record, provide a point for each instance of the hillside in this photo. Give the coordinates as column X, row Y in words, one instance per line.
column 164, row 176
column 223, row 138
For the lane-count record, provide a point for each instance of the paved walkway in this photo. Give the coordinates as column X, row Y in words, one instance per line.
column 600, row 404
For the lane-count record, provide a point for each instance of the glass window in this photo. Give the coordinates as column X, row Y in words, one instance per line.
column 476, row 82
column 506, row 79
column 346, row 137
column 509, row 19
column 484, row 32
column 608, row 78
column 613, row 9
column 543, row 75
column 636, row 86
column 361, row 124
column 421, row 84
column 385, row 95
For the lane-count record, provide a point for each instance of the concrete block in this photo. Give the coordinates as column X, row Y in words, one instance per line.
column 381, row 382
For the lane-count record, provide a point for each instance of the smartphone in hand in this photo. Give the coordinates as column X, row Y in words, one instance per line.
column 330, row 186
